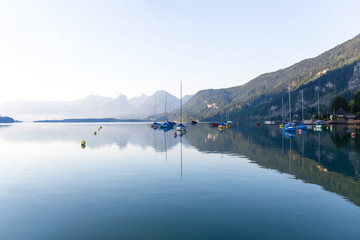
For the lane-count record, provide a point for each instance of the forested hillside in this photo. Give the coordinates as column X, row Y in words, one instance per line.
column 328, row 74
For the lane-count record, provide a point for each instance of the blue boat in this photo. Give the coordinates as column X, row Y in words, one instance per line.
column 166, row 125
column 289, row 127
column 170, row 123
column 301, row 126
column 289, row 135
column 180, row 127
column 155, row 125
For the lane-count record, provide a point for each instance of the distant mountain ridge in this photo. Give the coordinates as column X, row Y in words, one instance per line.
column 93, row 106
column 261, row 97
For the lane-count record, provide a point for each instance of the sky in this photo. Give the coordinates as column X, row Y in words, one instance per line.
column 67, row 50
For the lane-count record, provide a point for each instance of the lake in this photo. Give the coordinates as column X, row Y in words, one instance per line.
column 134, row 182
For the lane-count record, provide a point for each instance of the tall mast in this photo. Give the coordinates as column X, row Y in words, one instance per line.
column 282, row 111
column 165, row 106
column 318, row 106
column 180, row 101
column 289, row 104
column 302, row 105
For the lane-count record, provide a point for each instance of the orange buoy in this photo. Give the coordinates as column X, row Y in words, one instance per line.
column 353, row 135
column 300, row 131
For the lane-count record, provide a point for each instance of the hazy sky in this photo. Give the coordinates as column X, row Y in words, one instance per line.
column 66, row 50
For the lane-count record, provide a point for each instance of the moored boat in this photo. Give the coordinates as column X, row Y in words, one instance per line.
column 289, row 127
column 318, row 125
column 301, row 126
column 222, row 126
column 214, row 124
column 180, row 127
column 229, row 124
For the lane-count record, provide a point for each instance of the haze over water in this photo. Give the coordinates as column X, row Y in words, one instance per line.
column 133, row 182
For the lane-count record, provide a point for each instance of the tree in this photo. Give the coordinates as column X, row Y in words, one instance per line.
column 339, row 102
column 356, row 107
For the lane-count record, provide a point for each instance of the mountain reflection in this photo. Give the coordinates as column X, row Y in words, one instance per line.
column 330, row 158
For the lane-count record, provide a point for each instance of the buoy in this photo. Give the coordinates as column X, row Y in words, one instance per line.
column 100, row 127
column 353, row 135
column 300, row 131
column 95, row 133
column 258, row 124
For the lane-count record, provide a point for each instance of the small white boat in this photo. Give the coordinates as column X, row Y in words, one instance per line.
column 318, row 125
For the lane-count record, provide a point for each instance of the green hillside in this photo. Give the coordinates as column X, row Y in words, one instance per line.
column 261, row 97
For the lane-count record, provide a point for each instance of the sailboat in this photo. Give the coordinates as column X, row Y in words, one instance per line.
column 166, row 125
column 222, row 125
column 302, row 126
column 282, row 113
column 239, row 122
column 155, row 125
column 289, row 127
column 181, row 127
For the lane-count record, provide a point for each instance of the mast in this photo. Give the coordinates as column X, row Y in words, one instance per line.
column 181, row 101
column 289, row 104
column 318, row 106
column 165, row 106
column 282, row 111
column 302, row 105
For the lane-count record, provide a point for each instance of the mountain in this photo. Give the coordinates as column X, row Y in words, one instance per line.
column 120, row 105
column 328, row 74
column 155, row 104
column 138, row 101
column 186, row 98
column 93, row 106
column 4, row 119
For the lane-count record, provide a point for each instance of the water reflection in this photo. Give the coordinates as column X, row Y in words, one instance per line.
column 330, row 158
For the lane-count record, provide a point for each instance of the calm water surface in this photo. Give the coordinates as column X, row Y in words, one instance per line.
column 133, row 182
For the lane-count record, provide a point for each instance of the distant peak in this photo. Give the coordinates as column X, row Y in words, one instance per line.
column 122, row 96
